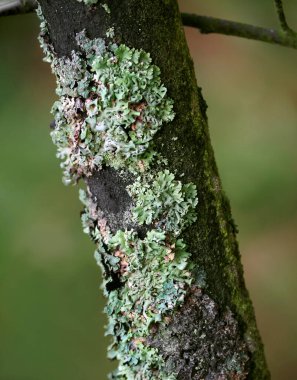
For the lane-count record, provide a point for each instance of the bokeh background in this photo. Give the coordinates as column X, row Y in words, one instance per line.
column 51, row 320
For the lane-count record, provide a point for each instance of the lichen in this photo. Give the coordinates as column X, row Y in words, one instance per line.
column 110, row 32
column 151, row 275
column 105, row 7
column 164, row 202
column 88, row 2
column 43, row 37
column 111, row 104
column 146, row 279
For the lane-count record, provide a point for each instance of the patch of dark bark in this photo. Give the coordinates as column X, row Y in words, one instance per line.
column 201, row 342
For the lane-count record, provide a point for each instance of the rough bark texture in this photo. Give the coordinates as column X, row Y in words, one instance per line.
column 218, row 322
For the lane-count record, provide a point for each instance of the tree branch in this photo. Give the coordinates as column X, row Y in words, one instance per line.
column 171, row 344
column 17, row 7
column 208, row 25
column 281, row 16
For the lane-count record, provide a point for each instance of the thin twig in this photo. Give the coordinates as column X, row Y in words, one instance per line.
column 215, row 25
column 281, row 16
column 17, row 7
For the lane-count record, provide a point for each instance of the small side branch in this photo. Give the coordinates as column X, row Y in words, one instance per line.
column 281, row 16
column 208, row 25
column 17, row 7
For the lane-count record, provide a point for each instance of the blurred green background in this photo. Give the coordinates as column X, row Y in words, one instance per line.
column 51, row 321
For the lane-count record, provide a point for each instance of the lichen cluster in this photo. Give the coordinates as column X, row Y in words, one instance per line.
column 165, row 203
column 111, row 104
column 149, row 276
column 153, row 275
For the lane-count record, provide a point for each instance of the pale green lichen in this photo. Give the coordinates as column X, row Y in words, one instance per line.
column 111, row 104
column 105, row 7
column 110, row 32
column 45, row 46
column 88, row 2
column 154, row 274
column 164, row 202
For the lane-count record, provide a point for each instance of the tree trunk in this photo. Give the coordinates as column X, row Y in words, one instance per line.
column 207, row 330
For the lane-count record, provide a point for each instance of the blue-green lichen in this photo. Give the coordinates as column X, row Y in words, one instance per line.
column 111, row 104
column 154, row 274
column 164, row 202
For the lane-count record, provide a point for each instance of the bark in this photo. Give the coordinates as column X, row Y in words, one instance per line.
column 213, row 334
